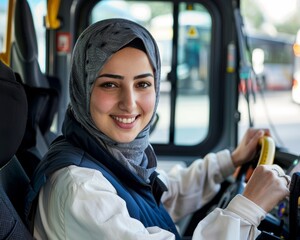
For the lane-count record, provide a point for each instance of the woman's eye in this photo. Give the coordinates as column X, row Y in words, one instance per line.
column 108, row 85
column 144, row 84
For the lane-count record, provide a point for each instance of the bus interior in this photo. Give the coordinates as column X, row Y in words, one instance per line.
column 207, row 73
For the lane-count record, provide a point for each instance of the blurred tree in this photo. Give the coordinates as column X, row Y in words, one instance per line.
column 290, row 26
column 252, row 14
column 254, row 18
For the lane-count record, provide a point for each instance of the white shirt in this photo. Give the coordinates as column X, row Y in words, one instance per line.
column 80, row 203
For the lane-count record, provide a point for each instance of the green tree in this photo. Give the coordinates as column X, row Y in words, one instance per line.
column 290, row 26
column 253, row 16
column 252, row 13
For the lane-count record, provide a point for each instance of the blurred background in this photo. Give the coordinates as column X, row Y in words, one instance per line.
column 272, row 27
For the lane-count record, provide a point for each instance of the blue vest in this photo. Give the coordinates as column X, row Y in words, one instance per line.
column 142, row 199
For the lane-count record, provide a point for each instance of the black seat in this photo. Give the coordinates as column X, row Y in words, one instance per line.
column 42, row 91
column 33, row 146
column 24, row 61
column 13, row 179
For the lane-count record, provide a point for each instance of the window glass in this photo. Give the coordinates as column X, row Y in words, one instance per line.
column 39, row 9
column 190, row 106
column 3, row 23
column 275, row 88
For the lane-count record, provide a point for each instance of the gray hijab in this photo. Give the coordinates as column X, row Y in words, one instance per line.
column 93, row 48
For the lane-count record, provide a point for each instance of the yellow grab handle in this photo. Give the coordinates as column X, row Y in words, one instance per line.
column 52, row 20
column 267, row 152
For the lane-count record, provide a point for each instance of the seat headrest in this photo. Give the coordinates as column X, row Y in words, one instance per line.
column 25, row 35
column 13, row 111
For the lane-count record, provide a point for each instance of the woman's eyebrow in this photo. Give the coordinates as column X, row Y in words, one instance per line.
column 143, row 75
column 111, row 76
column 115, row 76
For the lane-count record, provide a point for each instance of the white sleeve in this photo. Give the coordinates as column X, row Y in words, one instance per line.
column 80, row 203
column 191, row 188
column 238, row 221
column 67, row 210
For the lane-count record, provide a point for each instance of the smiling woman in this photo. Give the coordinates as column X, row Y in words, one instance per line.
column 104, row 168
column 123, row 96
column 112, row 172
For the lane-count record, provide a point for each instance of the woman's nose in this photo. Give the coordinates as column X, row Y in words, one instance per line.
column 127, row 100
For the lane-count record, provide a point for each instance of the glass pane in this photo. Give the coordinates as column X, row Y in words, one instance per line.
column 152, row 16
column 39, row 9
column 161, row 27
column 276, row 83
column 3, row 22
column 192, row 108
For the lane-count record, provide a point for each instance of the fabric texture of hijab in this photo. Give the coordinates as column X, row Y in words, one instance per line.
column 93, row 48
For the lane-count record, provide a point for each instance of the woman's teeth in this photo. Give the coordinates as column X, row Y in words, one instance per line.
column 124, row 120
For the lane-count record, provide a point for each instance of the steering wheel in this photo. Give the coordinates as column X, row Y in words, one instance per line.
column 267, row 153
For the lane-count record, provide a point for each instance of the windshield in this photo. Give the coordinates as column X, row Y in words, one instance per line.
column 270, row 39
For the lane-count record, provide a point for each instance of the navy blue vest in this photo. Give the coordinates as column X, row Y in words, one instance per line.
column 142, row 199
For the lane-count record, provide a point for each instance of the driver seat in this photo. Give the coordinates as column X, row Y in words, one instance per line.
column 13, row 179
column 42, row 91
column 24, row 61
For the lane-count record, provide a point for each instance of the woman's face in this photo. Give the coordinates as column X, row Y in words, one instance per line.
column 123, row 95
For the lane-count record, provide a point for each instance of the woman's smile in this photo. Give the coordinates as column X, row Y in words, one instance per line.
column 125, row 122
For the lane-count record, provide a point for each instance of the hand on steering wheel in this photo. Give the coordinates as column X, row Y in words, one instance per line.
column 267, row 153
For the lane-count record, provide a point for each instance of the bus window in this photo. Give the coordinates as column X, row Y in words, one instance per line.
column 278, row 58
column 190, row 65
column 38, row 9
column 193, row 54
column 3, row 23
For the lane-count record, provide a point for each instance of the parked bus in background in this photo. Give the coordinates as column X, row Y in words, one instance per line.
column 272, row 59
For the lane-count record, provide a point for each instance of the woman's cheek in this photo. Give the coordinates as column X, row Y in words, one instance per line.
column 102, row 103
column 149, row 103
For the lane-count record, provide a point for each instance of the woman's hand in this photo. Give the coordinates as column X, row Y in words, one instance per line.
column 247, row 148
column 267, row 186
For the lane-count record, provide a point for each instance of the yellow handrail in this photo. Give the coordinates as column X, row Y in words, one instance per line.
column 52, row 21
